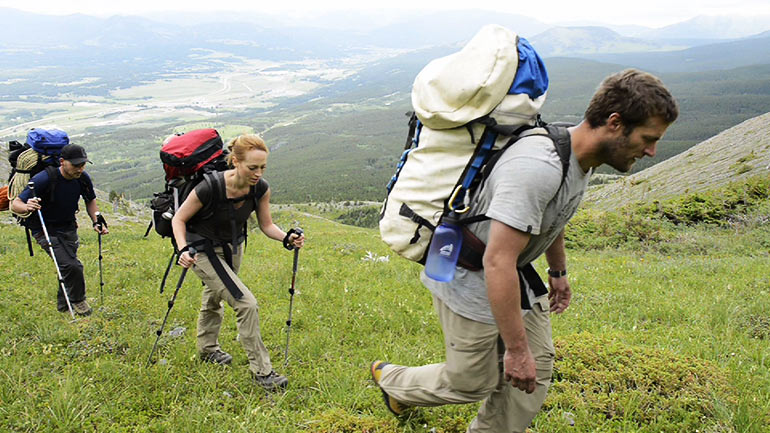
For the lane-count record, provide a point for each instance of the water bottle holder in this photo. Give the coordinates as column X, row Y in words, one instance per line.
column 472, row 251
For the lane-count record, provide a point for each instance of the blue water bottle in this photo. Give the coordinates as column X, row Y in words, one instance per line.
column 444, row 249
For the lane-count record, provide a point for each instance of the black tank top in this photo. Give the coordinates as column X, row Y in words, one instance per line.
column 217, row 225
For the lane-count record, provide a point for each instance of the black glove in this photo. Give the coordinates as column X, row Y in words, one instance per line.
column 100, row 221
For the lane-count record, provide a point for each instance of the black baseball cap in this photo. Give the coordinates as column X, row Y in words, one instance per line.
column 75, row 154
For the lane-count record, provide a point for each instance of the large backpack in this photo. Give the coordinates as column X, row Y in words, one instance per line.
column 467, row 106
column 42, row 149
column 186, row 159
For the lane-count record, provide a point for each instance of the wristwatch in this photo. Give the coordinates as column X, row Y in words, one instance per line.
column 556, row 274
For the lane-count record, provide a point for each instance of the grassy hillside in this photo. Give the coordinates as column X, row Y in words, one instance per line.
column 666, row 333
column 737, row 153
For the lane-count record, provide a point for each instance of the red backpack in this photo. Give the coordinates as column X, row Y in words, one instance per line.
column 185, row 154
column 186, row 159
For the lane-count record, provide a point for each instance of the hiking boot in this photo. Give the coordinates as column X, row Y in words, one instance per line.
column 82, row 308
column 62, row 308
column 271, row 381
column 217, row 357
column 394, row 406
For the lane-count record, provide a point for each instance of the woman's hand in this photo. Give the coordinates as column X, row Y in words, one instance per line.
column 186, row 260
column 298, row 240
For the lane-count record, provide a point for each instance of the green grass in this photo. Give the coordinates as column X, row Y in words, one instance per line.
column 668, row 337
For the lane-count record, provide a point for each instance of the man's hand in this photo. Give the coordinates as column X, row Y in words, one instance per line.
column 33, row 204
column 559, row 294
column 519, row 369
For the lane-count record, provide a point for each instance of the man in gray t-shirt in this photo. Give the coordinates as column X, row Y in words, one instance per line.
column 524, row 191
column 495, row 350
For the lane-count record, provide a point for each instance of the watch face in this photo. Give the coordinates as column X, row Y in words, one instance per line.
column 556, row 274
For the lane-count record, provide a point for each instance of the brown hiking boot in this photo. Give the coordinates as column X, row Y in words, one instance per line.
column 217, row 357
column 394, row 406
column 82, row 308
column 271, row 381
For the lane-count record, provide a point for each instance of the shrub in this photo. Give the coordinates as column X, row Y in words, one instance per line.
column 651, row 224
column 602, row 380
column 591, row 229
column 368, row 216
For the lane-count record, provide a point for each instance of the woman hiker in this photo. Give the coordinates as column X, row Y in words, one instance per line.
column 229, row 197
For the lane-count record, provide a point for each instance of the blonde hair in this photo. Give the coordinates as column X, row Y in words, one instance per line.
column 241, row 144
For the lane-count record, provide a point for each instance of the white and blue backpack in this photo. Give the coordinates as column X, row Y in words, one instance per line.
column 467, row 106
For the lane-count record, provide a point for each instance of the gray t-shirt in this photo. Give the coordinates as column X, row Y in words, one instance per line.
column 523, row 191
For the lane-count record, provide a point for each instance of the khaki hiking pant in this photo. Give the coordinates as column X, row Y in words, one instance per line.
column 246, row 312
column 473, row 372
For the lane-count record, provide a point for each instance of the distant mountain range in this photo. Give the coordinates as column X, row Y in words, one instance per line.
column 717, row 56
column 711, row 27
column 578, row 41
column 326, row 35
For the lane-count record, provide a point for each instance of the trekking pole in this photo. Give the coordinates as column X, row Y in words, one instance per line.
column 168, row 269
column 298, row 231
column 31, row 186
column 159, row 332
column 149, row 226
column 100, row 222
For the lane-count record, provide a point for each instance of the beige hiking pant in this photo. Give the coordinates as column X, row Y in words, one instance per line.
column 246, row 312
column 473, row 372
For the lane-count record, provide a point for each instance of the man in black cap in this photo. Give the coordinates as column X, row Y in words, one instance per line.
column 57, row 191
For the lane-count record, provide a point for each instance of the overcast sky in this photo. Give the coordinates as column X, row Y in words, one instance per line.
column 651, row 13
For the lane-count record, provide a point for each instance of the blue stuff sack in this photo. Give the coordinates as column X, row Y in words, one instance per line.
column 47, row 141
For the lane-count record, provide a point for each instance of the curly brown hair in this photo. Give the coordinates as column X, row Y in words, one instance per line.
column 636, row 95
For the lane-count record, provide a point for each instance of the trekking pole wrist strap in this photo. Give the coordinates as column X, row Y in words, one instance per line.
column 100, row 220
column 286, row 242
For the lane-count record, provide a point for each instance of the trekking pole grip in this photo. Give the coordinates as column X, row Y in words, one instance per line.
column 31, row 186
column 100, row 221
column 299, row 232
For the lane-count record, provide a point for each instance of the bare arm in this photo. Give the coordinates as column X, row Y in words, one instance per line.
column 186, row 211
column 21, row 208
column 560, row 293
column 503, row 290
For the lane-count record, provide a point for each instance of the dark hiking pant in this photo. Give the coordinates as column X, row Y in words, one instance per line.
column 65, row 246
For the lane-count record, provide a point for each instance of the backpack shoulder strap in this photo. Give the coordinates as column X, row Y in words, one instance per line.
column 53, row 179
column 563, row 143
column 561, row 140
column 215, row 182
column 86, row 187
